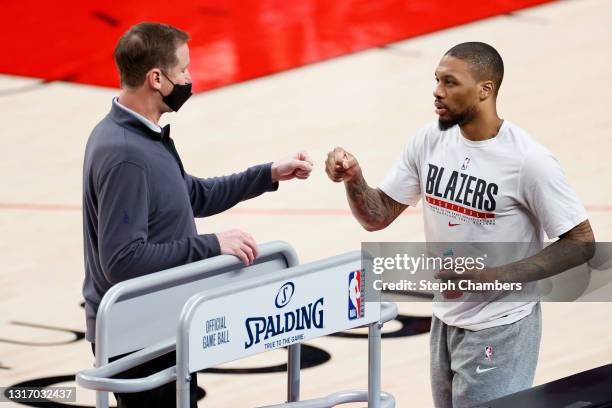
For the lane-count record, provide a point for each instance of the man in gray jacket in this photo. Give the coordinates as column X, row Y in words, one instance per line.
column 139, row 203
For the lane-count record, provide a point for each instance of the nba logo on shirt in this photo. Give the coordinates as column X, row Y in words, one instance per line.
column 489, row 353
column 355, row 292
column 465, row 163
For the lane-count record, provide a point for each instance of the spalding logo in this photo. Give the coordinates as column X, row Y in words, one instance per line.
column 284, row 295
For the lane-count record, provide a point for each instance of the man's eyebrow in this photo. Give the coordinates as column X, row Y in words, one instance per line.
column 447, row 76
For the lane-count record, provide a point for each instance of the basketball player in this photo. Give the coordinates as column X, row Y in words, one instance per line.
column 139, row 202
column 482, row 179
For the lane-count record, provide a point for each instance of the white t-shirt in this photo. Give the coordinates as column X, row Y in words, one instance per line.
column 505, row 189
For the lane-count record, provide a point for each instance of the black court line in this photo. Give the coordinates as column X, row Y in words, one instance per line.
column 23, row 89
column 526, row 18
column 106, row 18
column 310, row 356
column 401, row 51
column 410, row 326
column 78, row 335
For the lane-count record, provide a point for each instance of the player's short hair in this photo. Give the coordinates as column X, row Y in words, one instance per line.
column 485, row 61
column 146, row 46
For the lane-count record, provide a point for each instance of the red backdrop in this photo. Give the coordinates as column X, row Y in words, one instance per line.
column 232, row 40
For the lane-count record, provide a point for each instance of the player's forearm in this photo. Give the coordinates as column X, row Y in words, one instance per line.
column 572, row 249
column 367, row 204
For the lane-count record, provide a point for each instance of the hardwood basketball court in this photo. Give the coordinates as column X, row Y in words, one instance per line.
column 557, row 59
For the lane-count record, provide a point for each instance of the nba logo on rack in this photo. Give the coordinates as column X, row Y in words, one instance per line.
column 355, row 295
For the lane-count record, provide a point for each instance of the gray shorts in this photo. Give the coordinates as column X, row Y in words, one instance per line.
column 471, row 367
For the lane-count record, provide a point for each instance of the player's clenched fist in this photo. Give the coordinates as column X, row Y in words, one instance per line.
column 341, row 165
column 238, row 243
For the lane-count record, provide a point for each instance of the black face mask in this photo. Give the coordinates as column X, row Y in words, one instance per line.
column 178, row 96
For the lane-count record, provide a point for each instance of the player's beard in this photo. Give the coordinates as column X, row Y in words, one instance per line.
column 460, row 118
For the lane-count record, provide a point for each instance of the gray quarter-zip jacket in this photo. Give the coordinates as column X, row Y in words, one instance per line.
column 139, row 205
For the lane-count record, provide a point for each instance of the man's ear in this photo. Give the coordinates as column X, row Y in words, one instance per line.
column 487, row 88
column 153, row 79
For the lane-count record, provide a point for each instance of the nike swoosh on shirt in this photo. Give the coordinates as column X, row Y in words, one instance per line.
column 450, row 224
column 483, row 370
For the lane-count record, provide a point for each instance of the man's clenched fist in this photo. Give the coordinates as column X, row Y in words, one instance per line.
column 341, row 165
column 297, row 166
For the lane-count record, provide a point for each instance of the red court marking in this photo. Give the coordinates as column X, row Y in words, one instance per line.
column 252, row 211
column 39, row 207
column 232, row 40
column 291, row 211
column 237, row 211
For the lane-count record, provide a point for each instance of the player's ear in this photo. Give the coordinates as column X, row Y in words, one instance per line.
column 487, row 88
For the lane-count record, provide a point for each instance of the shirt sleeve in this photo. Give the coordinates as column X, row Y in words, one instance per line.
column 546, row 193
column 124, row 249
column 213, row 195
column 402, row 183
